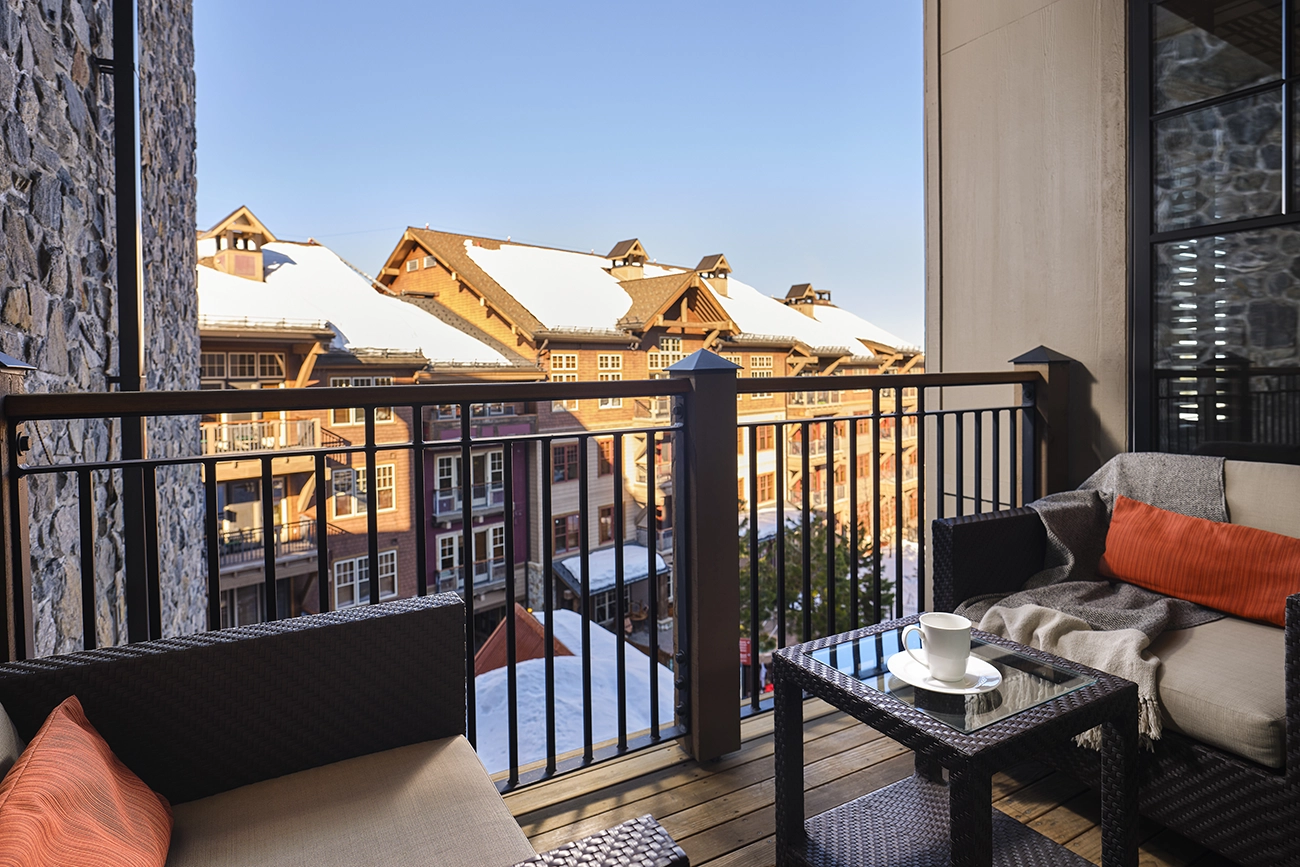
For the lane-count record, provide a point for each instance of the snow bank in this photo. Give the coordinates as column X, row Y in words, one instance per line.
column 492, row 713
column 310, row 282
column 601, row 566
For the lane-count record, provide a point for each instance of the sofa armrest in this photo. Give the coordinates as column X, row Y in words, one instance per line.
column 636, row 843
column 994, row 552
column 214, row 711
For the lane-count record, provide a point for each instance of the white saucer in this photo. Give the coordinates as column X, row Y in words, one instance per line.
column 980, row 676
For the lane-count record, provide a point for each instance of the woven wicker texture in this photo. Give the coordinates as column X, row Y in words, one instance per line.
column 994, row 557
column 211, row 712
column 970, row 757
column 1243, row 811
column 906, row 825
column 635, row 843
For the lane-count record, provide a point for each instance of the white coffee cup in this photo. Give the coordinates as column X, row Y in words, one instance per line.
column 946, row 641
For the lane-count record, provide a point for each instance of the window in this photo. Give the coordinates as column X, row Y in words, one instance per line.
column 736, row 360
column 609, row 368
column 449, row 552
column 270, row 365
column 760, row 367
column 605, row 457
column 564, row 368
column 741, row 487
column 564, row 462
column 352, row 579
column 767, row 487
column 605, row 522
column 429, row 262
column 668, row 353
column 243, row 365
column 357, row 415
column 740, row 440
column 241, row 606
column 602, row 605
column 412, row 265
column 212, row 365
column 766, row 438
column 349, row 490
column 567, row 532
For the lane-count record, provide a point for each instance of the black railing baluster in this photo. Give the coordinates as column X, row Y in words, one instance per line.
column 877, row 599
column 153, row 569
column 831, row 571
column 781, row 444
column 920, row 498
column 268, row 541
column 755, row 676
column 466, row 563
column 323, row 496
column 1016, row 419
column 960, row 417
column 584, row 549
column 420, row 484
column 512, row 679
column 940, row 456
column 979, row 461
column 548, row 599
column 86, row 509
column 899, row 496
column 652, row 579
column 620, row 608
column 372, row 525
column 805, row 534
column 210, row 519
column 855, row 580
column 1029, row 448
column 996, row 433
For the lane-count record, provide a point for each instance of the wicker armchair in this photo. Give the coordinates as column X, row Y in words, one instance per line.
column 1242, row 810
column 213, row 712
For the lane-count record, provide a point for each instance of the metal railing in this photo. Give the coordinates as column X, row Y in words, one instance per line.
column 259, row 436
column 488, row 575
column 663, row 538
column 246, row 545
column 486, row 496
column 1233, row 403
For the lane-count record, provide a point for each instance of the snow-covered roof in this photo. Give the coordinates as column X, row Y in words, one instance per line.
column 854, row 327
column 559, row 287
column 756, row 313
column 491, row 706
column 601, row 565
column 309, row 281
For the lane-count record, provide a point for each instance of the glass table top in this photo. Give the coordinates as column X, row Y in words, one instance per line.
column 1026, row 682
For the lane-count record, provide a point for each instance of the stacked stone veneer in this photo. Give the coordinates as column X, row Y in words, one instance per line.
column 58, row 309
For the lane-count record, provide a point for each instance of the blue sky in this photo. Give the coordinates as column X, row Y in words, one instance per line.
column 788, row 136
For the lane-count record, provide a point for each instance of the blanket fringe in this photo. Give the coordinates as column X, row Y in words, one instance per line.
column 1150, row 727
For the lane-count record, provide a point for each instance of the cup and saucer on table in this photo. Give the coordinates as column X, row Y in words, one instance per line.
column 944, row 663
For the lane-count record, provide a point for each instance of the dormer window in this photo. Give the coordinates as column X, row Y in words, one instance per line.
column 412, row 265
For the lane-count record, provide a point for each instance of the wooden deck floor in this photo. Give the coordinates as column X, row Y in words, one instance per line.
column 722, row 813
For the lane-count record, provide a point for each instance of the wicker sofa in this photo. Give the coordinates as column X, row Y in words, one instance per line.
column 335, row 739
column 1226, row 773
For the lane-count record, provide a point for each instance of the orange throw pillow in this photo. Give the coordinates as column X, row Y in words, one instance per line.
column 69, row 801
column 1235, row 569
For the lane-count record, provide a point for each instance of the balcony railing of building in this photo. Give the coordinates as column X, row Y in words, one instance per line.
column 714, row 602
column 663, row 538
column 816, row 398
column 488, row 575
column 1232, row 403
column 262, row 435
column 240, row 547
column 448, row 502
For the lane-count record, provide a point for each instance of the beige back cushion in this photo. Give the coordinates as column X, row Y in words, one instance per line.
column 1263, row 496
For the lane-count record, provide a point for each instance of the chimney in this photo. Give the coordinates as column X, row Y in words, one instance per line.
column 803, row 297
column 626, row 260
column 240, row 253
column 715, row 269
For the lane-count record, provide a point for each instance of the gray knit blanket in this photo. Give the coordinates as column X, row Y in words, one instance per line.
column 1069, row 610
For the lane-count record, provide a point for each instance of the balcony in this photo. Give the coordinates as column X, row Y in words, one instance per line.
column 488, row 575
column 448, row 503
column 243, row 547
column 663, row 538
column 816, row 398
column 265, row 435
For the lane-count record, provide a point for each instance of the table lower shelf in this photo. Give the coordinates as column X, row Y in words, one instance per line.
column 906, row 825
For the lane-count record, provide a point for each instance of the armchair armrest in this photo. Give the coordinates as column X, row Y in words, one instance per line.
column 993, row 552
column 206, row 713
column 636, row 843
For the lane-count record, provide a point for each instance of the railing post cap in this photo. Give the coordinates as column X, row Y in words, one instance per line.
column 1042, row 355
column 9, row 364
column 703, row 361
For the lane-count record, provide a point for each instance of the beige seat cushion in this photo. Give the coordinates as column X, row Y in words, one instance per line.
column 1223, row 683
column 430, row 803
column 1263, row 496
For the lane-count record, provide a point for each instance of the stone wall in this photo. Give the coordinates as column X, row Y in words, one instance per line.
column 58, row 308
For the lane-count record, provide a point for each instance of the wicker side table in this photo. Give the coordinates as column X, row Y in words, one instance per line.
column 1043, row 702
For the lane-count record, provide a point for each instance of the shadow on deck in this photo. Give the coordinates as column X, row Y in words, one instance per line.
column 722, row 813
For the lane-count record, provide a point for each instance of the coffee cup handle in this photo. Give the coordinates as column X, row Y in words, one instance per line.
column 910, row 652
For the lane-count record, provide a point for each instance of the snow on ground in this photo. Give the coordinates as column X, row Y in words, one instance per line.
column 308, row 281
column 756, row 313
column 601, row 566
column 492, row 714
column 560, row 288
column 851, row 326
